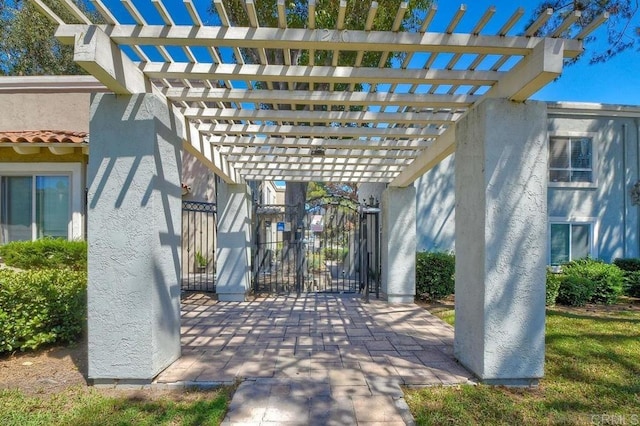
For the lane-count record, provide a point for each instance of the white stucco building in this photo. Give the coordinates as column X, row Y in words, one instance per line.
column 592, row 188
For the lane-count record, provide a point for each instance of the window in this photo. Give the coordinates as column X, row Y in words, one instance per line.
column 40, row 204
column 34, row 207
column 570, row 241
column 571, row 160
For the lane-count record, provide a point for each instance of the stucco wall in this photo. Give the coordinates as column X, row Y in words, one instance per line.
column 201, row 179
column 501, row 235
column 134, row 228
column 44, row 111
column 617, row 225
column 616, row 222
column 435, row 204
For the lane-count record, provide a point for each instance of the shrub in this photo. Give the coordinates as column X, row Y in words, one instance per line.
column 607, row 278
column 435, row 274
column 46, row 253
column 553, row 286
column 41, row 306
column 631, row 271
column 575, row 290
column 632, row 283
column 337, row 253
column 628, row 265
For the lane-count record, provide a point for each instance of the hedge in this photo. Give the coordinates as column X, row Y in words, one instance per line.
column 554, row 281
column 631, row 271
column 46, row 253
column 39, row 307
column 435, row 275
column 575, row 290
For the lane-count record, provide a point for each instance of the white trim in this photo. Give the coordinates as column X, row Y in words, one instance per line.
column 575, row 220
column 592, row 109
column 595, row 145
column 51, row 84
column 76, row 188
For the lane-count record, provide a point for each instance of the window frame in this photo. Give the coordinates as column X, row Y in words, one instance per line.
column 593, row 234
column 75, row 227
column 594, row 159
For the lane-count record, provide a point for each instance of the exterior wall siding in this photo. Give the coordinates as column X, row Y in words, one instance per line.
column 48, row 111
column 44, row 111
column 616, row 219
column 609, row 203
column 435, row 204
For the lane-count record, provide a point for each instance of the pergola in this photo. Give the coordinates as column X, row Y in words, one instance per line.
column 334, row 122
column 179, row 84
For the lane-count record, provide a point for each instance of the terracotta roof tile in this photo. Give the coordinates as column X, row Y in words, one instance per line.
column 44, row 136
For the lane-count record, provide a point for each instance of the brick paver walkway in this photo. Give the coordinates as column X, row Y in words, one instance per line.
column 316, row 359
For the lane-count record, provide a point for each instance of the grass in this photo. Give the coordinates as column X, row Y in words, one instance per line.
column 592, row 376
column 80, row 406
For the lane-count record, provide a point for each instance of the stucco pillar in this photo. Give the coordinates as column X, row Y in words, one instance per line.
column 134, row 228
column 399, row 244
column 366, row 190
column 501, row 237
column 233, row 246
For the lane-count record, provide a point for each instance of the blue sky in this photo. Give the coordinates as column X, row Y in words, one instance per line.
column 613, row 82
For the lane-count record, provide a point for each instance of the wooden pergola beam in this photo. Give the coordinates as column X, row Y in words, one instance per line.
column 318, row 131
column 317, row 74
column 100, row 56
column 303, row 97
column 314, row 152
column 417, row 118
column 319, row 39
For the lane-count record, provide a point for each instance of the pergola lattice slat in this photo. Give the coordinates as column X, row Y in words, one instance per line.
column 301, row 122
column 302, row 97
column 322, row 132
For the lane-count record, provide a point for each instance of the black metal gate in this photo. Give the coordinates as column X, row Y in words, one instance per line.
column 198, row 246
column 325, row 250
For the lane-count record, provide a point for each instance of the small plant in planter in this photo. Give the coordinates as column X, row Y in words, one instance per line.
column 201, row 262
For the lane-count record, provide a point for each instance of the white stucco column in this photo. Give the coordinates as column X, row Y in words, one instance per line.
column 501, row 237
column 233, row 247
column 399, row 244
column 366, row 190
column 134, row 228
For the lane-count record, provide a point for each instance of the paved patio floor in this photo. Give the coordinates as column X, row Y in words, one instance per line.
column 315, row 359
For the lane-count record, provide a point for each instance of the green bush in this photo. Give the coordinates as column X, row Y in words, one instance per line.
column 632, row 283
column 435, row 274
column 575, row 290
column 40, row 307
column 608, row 278
column 553, row 286
column 631, row 271
column 628, row 264
column 335, row 253
column 46, row 253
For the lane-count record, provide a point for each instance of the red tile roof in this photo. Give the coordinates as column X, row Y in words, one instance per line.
column 44, row 136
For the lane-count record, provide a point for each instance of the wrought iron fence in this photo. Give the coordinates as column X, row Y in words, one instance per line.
column 198, row 246
column 330, row 249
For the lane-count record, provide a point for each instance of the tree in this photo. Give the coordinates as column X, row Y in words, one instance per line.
column 27, row 44
column 623, row 26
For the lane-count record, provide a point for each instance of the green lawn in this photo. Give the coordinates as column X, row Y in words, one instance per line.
column 592, row 376
column 80, row 406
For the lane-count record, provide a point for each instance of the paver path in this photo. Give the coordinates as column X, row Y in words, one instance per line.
column 315, row 359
